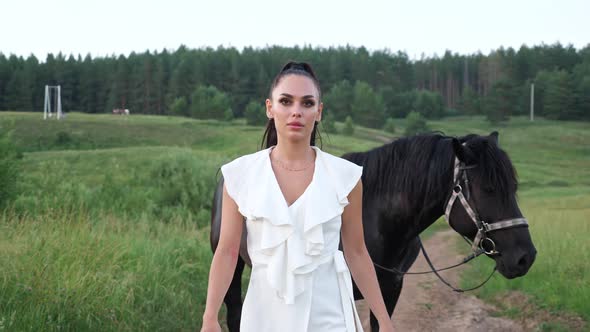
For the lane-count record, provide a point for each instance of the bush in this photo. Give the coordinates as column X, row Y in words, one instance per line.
column 430, row 104
column 228, row 115
column 389, row 126
column 208, row 102
column 328, row 124
column 63, row 138
column 255, row 114
column 9, row 168
column 182, row 184
column 415, row 124
column 179, row 107
column 348, row 126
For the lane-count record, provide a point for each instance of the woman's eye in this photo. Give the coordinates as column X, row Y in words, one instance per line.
column 308, row 103
column 284, row 101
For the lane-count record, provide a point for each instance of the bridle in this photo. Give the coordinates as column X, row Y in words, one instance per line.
column 483, row 228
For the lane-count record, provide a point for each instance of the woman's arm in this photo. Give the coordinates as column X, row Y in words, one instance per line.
column 224, row 259
column 357, row 256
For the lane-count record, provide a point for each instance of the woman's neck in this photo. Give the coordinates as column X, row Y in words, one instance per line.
column 293, row 152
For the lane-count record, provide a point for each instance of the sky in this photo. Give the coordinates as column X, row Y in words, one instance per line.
column 416, row 27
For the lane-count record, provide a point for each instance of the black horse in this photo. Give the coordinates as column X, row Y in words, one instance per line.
column 406, row 186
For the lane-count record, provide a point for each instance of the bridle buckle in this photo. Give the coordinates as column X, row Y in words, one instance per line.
column 490, row 252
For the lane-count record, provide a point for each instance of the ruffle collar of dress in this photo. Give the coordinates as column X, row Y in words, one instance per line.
column 292, row 256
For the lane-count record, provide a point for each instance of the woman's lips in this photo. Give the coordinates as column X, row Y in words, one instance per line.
column 295, row 125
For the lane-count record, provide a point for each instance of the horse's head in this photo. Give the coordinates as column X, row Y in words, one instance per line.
column 486, row 179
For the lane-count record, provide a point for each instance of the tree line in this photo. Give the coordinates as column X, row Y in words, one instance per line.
column 370, row 87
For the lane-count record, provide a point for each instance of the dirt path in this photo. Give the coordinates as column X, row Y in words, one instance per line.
column 428, row 305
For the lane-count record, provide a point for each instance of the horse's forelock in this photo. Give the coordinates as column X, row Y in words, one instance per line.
column 495, row 168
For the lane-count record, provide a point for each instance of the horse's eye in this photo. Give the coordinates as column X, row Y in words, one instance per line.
column 488, row 189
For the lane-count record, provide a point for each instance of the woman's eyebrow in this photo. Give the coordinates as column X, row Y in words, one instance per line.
column 291, row 96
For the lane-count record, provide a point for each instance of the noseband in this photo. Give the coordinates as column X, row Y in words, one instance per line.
column 483, row 228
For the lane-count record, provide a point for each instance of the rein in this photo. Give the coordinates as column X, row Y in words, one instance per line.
column 435, row 270
column 481, row 239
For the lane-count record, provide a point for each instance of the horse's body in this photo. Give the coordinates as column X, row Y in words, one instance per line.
column 406, row 184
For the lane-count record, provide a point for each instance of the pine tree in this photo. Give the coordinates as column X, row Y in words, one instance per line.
column 5, row 74
column 339, row 100
column 121, row 86
column 88, row 86
column 501, row 102
column 559, row 97
column 18, row 92
column 469, row 103
column 367, row 106
column 68, row 79
column 581, row 81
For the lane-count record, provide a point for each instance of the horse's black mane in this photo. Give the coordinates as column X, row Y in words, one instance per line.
column 414, row 165
column 400, row 162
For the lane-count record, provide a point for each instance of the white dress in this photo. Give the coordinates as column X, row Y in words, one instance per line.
column 299, row 279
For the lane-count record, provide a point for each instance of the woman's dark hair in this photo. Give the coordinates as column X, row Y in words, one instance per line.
column 291, row 68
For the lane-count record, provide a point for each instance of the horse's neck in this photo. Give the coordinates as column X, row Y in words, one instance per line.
column 416, row 213
column 427, row 220
column 433, row 208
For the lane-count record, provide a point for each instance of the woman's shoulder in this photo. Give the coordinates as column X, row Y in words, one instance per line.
column 343, row 173
column 236, row 172
column 244, row 162
column 338, row 163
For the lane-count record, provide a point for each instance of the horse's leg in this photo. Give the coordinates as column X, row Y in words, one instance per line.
column 391, row 284
column 233, row 298
column 390, row 290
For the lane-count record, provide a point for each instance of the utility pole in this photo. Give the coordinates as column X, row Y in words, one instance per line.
column 532, row 102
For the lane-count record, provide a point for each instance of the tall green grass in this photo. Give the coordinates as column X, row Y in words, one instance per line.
column 110, row 228
column 70, row 271
column 132, row 182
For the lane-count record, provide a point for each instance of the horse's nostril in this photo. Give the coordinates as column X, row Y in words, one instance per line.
column 523, row 261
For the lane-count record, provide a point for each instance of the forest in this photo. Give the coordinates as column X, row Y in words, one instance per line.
column 369, row 86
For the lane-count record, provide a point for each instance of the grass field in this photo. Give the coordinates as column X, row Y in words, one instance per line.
column 110, row 231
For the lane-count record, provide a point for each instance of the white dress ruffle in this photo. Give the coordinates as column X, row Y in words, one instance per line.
column 288, row 244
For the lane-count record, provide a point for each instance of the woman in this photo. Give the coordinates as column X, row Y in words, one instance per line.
column 297, row 201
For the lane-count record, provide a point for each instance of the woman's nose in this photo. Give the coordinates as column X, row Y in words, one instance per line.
column 298, row 111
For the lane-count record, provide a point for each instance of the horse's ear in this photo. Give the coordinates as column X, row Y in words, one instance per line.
column 459, row 150
column 494, row 137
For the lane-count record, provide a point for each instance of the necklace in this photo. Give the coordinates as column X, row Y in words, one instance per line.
column 282, row 165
